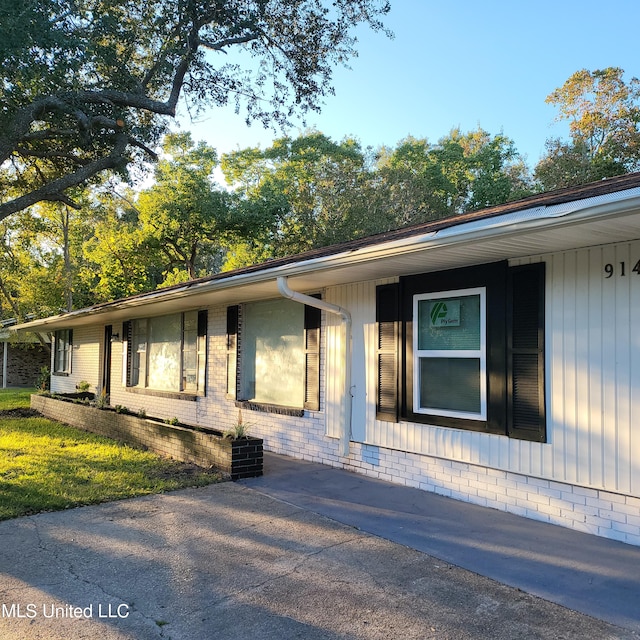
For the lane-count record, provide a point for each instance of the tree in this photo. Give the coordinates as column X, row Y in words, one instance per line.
column 604, row 125
column 303, row 193
column 118, row 258
column 88, row 86
column 185, row 217
column 40, row 256
column 419, row 181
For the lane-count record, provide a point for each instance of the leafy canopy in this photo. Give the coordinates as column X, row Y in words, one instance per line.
column 604, row 124
column 88, row 85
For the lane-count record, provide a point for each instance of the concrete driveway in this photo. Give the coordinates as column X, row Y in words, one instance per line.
column 227, row 562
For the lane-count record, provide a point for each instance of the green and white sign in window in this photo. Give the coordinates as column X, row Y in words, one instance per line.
column 450, row 363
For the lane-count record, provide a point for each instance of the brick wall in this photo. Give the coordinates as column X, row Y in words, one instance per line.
column 238, row 458
column 593, row 511
column 23, row 364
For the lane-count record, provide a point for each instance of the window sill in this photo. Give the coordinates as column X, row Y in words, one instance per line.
column 269, row 408
column 174, row 395
column 64, row 374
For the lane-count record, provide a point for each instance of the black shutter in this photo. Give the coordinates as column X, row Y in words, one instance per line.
column 127, row 337
column 203, row 320
column 525, row 353
column 387, row 316
column 233, row 316
column 312, row 321
column 202, row 348
column 70, row 351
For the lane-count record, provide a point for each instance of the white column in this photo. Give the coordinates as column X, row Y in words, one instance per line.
column 5, row 361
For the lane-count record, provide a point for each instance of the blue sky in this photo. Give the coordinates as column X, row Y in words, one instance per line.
column 464, row 64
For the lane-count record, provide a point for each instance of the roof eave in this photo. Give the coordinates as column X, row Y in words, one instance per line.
column 510, row 224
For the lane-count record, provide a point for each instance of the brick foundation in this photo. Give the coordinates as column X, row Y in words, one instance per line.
column 241, row 458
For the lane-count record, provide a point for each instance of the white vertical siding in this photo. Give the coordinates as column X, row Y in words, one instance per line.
column 85, row 360
column 357, row 299
column 592, row 379
column 593, row 353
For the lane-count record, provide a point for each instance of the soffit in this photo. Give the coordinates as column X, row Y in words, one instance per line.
column 504, row 238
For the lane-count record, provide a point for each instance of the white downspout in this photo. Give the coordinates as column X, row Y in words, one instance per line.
column 345, row 430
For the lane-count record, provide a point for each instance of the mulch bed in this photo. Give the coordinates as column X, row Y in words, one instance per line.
column 18, row 413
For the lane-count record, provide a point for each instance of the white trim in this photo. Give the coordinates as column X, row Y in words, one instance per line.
column 346, row 355
column 480, row 354
column 5, row 364
column 535, row 219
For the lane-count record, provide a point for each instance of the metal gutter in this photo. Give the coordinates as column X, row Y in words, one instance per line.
column 512, row 224
column 345, row 317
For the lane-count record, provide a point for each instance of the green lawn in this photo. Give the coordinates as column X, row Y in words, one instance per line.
column 47, row 466
column 14, row 398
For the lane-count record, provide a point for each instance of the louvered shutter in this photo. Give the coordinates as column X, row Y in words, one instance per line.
column 127, row 339
column 387, row 315
column 525, row 353
column 233, row 316
column 203, row 322
column 312, row 321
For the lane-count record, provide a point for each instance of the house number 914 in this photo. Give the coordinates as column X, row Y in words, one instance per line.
column 609, row 269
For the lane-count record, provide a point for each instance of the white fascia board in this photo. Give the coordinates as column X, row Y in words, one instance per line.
column 508, row 225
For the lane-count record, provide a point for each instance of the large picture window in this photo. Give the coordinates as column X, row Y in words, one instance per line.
column 450, row 365
column 168, row 353
column 273, row 354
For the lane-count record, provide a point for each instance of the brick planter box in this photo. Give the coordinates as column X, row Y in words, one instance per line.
column 240, row 458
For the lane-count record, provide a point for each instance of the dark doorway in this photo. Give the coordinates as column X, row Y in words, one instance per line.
column 106, row 362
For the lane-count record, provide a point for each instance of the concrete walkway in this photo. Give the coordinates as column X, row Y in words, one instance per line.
column 586, row 573
column 235, row 561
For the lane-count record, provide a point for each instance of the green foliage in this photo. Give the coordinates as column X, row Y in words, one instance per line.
column 298, row 194
column 102, row 399
column 90, row 85
column 462, row 172
column 304, row 193
column 604, row 122
column 119, row 257
column 44, row 379
column 239, row 430
column 183, row 216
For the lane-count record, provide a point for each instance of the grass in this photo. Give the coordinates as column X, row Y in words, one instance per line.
column 15, row 398
column 48, row 466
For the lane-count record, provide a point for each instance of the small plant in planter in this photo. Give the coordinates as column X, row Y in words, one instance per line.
column 102, row 399
column 239, row 430
column 172, row 421
column 83, row 386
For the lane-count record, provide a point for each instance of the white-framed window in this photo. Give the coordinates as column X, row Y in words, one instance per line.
column 168, row 353
column 63, row 351
column 450, row 353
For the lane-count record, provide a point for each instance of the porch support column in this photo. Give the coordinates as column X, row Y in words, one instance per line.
column 5, row 362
